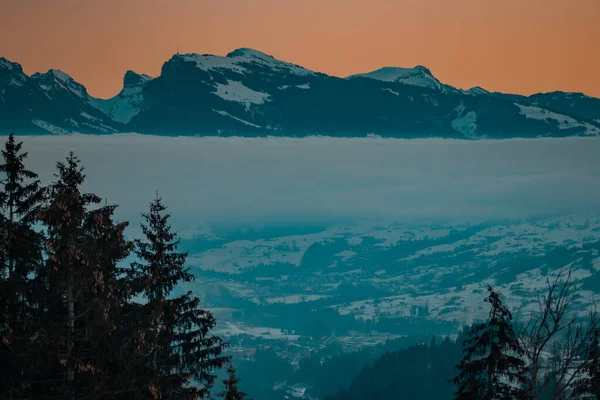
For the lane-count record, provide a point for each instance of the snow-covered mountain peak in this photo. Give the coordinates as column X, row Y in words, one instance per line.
column 207, row 62
column 241, row 61
column 270, row 62
column 11, row 73
column 248, row 52
column 61, row 76
column 127, row 104
column 476, row 91
column 416, row 76
column 247, row 92
column 8, row 65
column 132, row 78
column 56, row 79
column 422, row 68
column 250, row 56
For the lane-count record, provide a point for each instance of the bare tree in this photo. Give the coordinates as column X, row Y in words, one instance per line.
column 555, row 342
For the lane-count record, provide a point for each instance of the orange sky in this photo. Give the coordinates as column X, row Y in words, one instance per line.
column 518, row 46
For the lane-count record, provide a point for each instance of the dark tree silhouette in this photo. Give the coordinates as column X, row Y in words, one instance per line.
column 20, row 256
column 181, row 354
column 72, row 324
column 20, row 200
column 84, row 293
column 418, row 372
column 231, row 391
column 491, row 367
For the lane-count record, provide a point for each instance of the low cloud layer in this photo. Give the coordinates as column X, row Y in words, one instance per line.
column 228, row 179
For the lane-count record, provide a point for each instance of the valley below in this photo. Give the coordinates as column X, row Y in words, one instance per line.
column 318, row 256
column 303, row 292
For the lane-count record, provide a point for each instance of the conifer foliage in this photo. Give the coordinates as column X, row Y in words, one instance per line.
column 83, row 285
column 20, row 255
column 72, row 325
column 181, row 348
column 491, row 368
column 231, row 391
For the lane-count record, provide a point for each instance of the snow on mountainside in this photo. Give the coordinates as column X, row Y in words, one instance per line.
column 48, row 103
column 439, row 269
column 226, row 114
column 563, row 121
column 477, row 91
column 241, row 60
column 576, row 105
column 5, row 64
column 11, row 77
column 56, row 80
column 250, row 93
column 417, row 76
column 236, row 91
column 466, row 122
column 50, row 128
column 124, row 106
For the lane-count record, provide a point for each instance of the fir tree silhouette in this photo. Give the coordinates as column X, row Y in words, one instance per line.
column 231, row 391
column 491, row 368
column 84, row 294
column 182, row 354
column 20, row 256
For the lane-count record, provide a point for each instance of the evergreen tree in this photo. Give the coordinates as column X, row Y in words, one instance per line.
column 20, row 200
column 181, row 354
column 231, row 391
column 491, row 367
column 106, row 248
column 20, row 257
column 84, row 293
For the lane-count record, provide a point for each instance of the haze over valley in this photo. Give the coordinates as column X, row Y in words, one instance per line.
column 316, row 248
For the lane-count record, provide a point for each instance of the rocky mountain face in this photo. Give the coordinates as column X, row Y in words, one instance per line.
column 249, row 93
column 50, row 102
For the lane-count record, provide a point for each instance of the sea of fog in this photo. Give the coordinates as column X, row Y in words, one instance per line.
column 216, row 180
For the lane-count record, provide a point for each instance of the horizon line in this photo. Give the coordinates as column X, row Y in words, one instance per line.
column 178, row 53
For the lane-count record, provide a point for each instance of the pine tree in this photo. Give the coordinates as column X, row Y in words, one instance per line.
column 491, row 367
column 231, row 391
column 181, row 353
column 84, row 293
column 106, row 247
column 20, row 256
column 19, row 202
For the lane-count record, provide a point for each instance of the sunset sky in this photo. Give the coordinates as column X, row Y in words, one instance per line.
column 518, row 46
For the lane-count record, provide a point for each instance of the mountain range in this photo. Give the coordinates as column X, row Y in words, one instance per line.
column 249, row 93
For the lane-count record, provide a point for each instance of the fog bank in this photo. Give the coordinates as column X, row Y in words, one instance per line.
column 227, row 179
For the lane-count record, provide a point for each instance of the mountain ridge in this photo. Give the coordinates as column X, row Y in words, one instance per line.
column 251, row 93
